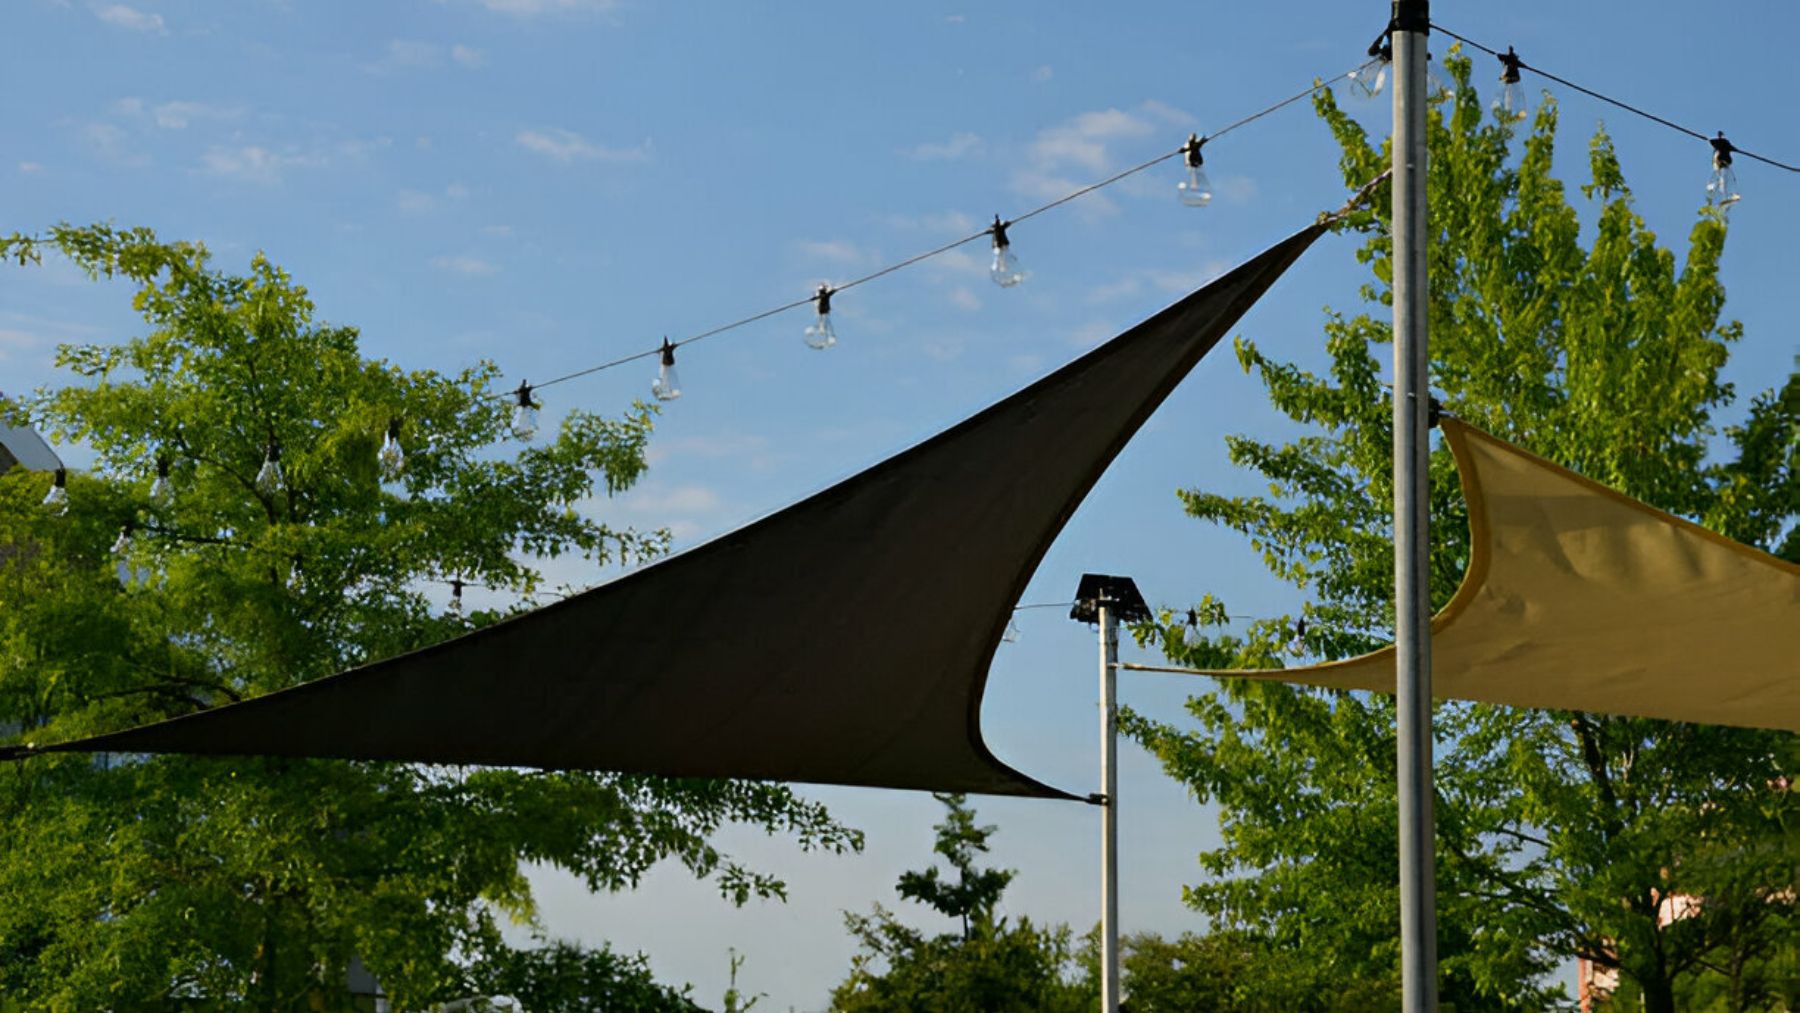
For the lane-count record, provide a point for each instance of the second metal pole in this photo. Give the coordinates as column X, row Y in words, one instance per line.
column 1109, row 810
column 1412, row 552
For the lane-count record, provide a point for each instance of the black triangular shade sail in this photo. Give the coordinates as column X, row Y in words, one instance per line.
column 843, row 640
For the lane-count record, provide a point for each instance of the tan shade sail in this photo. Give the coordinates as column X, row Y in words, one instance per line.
column 843, row 640
column 1580, row 598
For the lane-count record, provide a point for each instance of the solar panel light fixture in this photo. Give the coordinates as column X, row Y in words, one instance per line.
column 1120, row 594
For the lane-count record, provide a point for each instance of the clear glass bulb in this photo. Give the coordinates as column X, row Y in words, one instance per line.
column 667, row 386
column 820, row 334
column 1196, row 190
column 1012, row 633
column 122, row 544
column 1721, row 186
column 1368, row 80
column 1006, row 270
column 524, row 422
column 56, row 501
column 391, row 457
column 1513, row 104
column 162, row 493
column 269, row 481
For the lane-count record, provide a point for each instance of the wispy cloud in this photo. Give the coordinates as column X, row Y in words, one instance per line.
column 835, row 251
column 1069, row 155
column 567, row 146
column 131, row 19
column 411, row 54
column 111, row 143
column 176, row 115
column 533, row 8
column 417, row 202
column 465, row 265
column 964, row 298
column 253, row 163
column 1042, row 75
column 959, row 145
column 31, row 168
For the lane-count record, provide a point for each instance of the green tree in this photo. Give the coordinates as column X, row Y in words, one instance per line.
column 142, row 881
column 1558, row 833
column 991, row 965
column 1236, row 972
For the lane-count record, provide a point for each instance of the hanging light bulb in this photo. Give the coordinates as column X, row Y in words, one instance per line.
column 1012, row 634
column 122, row 544
column 1437, row 86
column 391, row 457
column 1512, row 104
column 268, row 478
column 57, row 499
column 1368, row 80
column 1196, row 190
column 1006, row 271
column 820, row 334
column 456, row 589
column 121, row 550
column 525, row 414
column 1721, row 186
column 162, row 491
column 667, row 386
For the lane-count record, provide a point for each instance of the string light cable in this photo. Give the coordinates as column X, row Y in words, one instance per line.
column 1513, row 61
column 996, row 231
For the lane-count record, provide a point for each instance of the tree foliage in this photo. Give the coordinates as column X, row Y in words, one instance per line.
column 992, row 964
column 1558, row 833
column 147, row 880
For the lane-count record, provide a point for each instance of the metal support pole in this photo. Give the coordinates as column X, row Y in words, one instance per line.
column 1109, row 808
column 1412, row 569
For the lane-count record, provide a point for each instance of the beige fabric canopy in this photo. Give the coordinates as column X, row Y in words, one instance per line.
column 1580, row 598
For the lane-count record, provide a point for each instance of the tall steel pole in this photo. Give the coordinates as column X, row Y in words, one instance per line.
column 1109, row 806
column 1412, row 564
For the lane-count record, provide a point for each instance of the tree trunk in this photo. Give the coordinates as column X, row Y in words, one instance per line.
column 1659, row 994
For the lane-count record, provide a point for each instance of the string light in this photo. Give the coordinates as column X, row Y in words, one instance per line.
column 1013, row 633
column 57, row 499
column 667, row 385
column 1512, row 102
column 1006, row 270
column 1368, row 80
column 456, row 590
column 162, row 491
column 122, row 544
column 1721, row 186
column 819, row 333
column 391, row 458
column 269, row 480
column 1196, row 190
column 525, row 414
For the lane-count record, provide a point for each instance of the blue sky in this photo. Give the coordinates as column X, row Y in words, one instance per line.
column 555, row 183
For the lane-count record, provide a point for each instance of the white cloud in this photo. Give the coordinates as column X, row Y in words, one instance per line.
column 406, row 54
column 954, row 19
column 414, row 202
column 467, row 56
column 568, row 146
column 948, row 222
column 1042, row 74
column 109, row 141
column 177, row 115
column 465, row 265
column 835, row 251
column 1072, row 154
column 533, row 8
column 456, row 191
column 253, row 163
column 958, row 146
column 30, row 168
column 497, row 230
column 963, row 297
column 131, row 19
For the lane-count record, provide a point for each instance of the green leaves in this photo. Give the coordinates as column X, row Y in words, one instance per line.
column 1558, row 834
column 146, row 881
